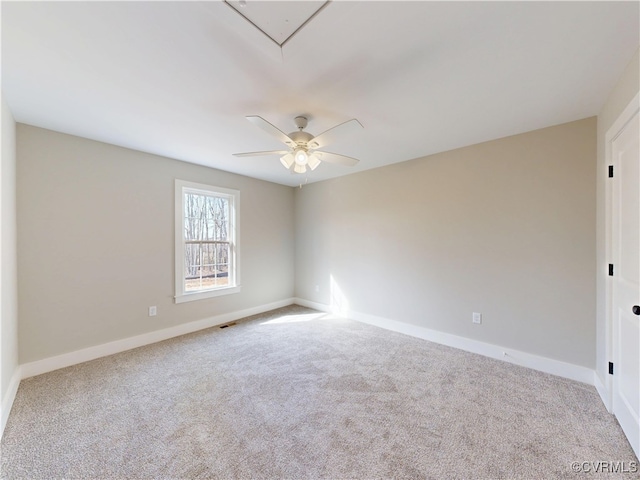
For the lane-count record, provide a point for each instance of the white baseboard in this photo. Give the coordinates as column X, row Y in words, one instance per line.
column 555, row 367
column 603, row 391
column 321, row 307
column 9, row 397
column 91, row 353
column 535, row 362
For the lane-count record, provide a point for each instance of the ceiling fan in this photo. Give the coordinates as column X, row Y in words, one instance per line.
column 303, row 147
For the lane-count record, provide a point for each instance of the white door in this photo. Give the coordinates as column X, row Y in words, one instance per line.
column 625, row 153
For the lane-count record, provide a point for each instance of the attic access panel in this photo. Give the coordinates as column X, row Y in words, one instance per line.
column 279, row 21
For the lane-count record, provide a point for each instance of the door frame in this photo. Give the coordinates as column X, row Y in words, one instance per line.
column 618, row 126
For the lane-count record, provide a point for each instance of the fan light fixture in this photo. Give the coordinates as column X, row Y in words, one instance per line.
column 302, row 146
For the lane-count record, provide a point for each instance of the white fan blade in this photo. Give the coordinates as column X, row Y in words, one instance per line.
column 271, row 129
column 257, row 154
column 328, row 136
column 336, row 158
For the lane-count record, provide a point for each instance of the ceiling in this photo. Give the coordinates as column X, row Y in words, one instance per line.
column 278, row 20
column 178, row 78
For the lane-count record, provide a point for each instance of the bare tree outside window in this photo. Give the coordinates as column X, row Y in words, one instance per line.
column 206, row 242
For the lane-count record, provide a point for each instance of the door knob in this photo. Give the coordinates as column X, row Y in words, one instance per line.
column 636, row 309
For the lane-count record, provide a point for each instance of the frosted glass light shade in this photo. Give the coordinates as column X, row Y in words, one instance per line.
column 313, row 162
column 301, row 157
column 287, row 160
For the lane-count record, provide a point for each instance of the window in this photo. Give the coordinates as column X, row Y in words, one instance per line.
column 206, row 247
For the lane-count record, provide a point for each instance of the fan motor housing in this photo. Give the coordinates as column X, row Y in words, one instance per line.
column 301, row 138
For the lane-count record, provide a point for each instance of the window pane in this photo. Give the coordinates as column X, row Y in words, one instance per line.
column 206, row 217
column 220, row 216
column 206, row 266
column 222, row 267
column 192, row 257
column 191, row 260
column 222, row 277
column 222, row 254
column 192, row 209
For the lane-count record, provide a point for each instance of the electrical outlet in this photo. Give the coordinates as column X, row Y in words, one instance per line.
column 477, row 318
column 317, row 288
column 153, row 311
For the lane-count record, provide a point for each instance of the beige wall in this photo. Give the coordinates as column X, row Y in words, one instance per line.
column 8, row 275
column 505, row 228
column 625, row 90
column 95, row 238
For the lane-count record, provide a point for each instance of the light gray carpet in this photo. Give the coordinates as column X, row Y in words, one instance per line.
column 288, row 395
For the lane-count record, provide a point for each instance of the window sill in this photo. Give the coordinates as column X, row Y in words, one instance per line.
column 190, row 297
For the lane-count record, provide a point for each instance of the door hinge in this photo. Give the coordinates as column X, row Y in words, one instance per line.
column 610, row 368
column 611, row 269
column 610, row 171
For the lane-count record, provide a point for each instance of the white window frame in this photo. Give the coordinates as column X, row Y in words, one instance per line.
column 181, row 188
